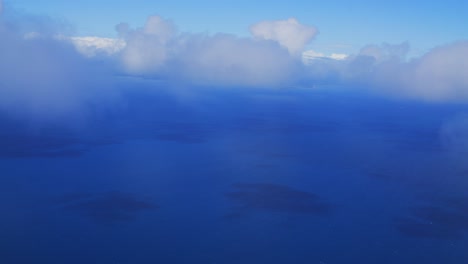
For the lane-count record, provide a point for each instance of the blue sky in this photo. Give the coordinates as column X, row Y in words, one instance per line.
column 344, row 26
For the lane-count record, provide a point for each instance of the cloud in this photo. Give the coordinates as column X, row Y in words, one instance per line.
column 288, row 33
column 41, row 76
column 41, row 73
column 338, row 56
column 147, row 48
column 439, row 75
column 92, row 46
column 309, row 55
column 228, row 60
column 385, row 51
column 220, row 59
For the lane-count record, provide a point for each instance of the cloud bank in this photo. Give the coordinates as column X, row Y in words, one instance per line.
column 219, row 59
column 43, row 69
column 439, row 75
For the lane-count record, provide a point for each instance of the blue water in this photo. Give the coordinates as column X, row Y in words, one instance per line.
column 237, row 176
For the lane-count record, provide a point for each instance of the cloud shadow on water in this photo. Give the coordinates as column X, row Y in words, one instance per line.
column 270, row 197
column 106, row 208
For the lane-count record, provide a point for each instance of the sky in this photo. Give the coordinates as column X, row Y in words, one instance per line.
column 344, row 26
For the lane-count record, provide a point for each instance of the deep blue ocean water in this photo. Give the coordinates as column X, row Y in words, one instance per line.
column 236, row 176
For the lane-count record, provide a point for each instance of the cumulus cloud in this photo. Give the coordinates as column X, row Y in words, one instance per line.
column 289, row 33
column 147, row 48
column 220, row 59
column 439, row 75
column 442, row 73
column 228, row 60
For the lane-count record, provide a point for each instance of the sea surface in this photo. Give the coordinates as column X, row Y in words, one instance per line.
column 237, row 176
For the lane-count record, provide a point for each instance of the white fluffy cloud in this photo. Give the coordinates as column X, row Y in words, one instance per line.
column 228, row 60
column 148, row 48
column 442, row 73
column 288, row 33
column 219, row 59
column 439, row 75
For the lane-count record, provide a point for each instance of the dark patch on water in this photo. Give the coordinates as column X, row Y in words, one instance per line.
column 108, row 207
column 443, row 218
column 274, row 198
column 47, row 141
column 423, row 229
column 55, row 141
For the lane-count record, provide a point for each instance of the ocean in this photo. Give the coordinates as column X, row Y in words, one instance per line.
column 228, row 176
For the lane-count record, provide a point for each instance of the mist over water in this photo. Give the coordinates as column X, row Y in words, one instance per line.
column 236, row 176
